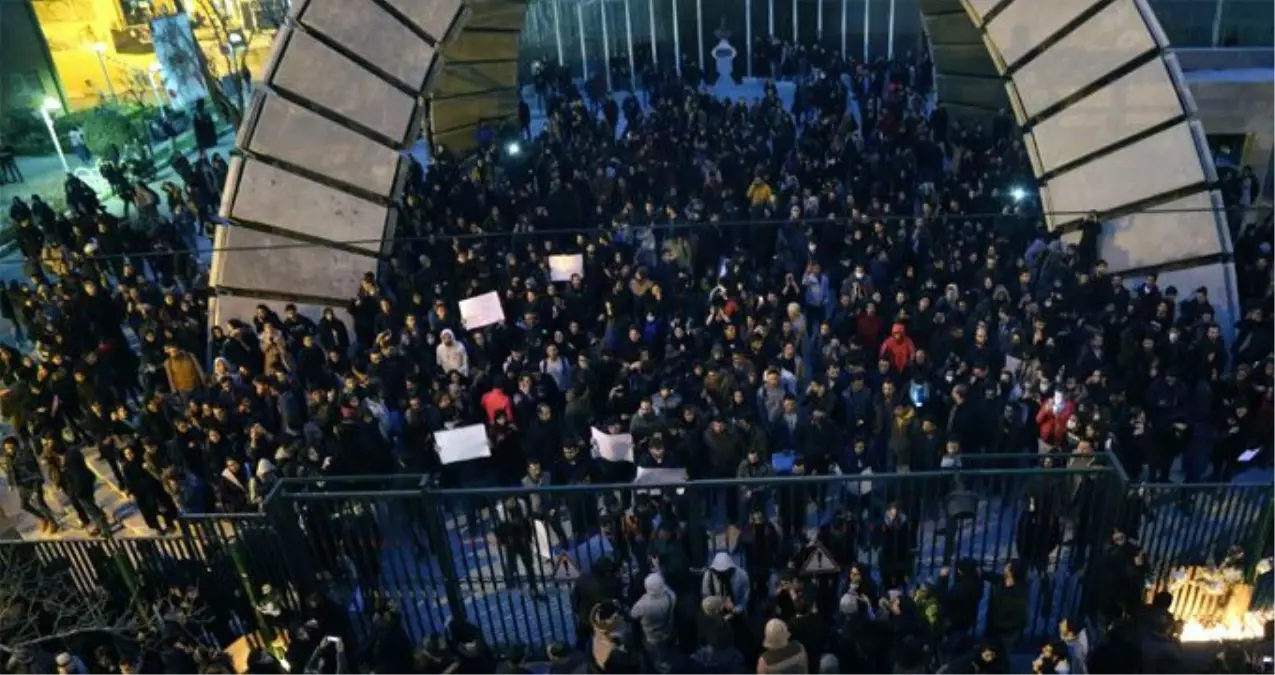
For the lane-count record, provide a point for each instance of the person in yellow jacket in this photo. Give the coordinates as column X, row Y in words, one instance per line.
column 185, row 375
column 759, row 192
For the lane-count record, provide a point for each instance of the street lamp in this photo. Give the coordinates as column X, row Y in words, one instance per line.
column 234, row 43
column 49, row 105
column 99, row 48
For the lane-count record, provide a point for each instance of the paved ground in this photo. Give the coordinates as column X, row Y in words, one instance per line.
column 45, row 176
column 512, row 614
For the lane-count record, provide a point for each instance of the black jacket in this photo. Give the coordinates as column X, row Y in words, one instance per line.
column 958, row 604
column 1007, row 609
column 22, row 469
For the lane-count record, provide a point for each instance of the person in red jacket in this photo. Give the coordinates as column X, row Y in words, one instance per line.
column 898, row 348
column 1052, row 418
column 496, row 401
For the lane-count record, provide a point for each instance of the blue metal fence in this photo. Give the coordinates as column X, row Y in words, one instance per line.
column 369, row 543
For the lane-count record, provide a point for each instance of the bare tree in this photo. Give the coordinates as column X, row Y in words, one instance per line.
column 234, row 56
column 41, row 601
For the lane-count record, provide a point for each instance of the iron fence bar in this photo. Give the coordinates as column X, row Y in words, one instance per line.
column 443, row 552
column 1260, row 539
column 303, row 529
column 744, row 482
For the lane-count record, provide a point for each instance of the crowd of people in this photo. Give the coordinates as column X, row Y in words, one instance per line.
column 849, row 281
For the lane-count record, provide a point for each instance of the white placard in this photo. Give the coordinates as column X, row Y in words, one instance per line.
column 659, row 476
column 481, row 310
column 462, row 444
column 544, row 545
column 563, row 267
column 612, row 447
column 1248, row 455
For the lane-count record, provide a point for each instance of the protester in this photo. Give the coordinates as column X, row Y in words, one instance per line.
column 844, row 286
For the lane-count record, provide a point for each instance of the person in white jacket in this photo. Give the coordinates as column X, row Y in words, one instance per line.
column 451, row 354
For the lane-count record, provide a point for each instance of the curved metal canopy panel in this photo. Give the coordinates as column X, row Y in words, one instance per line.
column 313, row 192
column 1108, row 121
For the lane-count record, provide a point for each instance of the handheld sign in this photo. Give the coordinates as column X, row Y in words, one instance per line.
column 481, row 310
column 612, row 447
column 544, row 545
column 659, row 476
column 818, row 561
column 563, row 267
column 462, row 444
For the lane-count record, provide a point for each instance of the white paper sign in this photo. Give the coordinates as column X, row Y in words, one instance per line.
column 1248, row 455
column 544, row 545
column 481, row 310
column 462, row 444
column 563, row 267
column 659, row 476
column 612, row 447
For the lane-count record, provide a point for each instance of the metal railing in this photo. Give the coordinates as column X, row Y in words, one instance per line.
column 434, row 554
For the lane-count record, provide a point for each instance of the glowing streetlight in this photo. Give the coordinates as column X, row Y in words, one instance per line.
column 100, row 48
column 49, row 105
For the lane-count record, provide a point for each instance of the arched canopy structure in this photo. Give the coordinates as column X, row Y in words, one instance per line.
column 351, row 85
column 1108, row 121
column 1107, row 118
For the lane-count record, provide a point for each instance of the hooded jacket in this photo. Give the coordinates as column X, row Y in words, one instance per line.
column 452, row 357
column 655, row 611
column 724, row 579
column 898, row 348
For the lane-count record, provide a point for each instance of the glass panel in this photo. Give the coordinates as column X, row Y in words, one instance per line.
column 760, row 37
column 664, row 31
column 686, row 28
column 1187, row 23
column 908, row 35
column 537, row 41
column 1248, row 23
column 708, row 23
column 880, row 11
column 808, row 21
column 831, row 39
column 854, row 29
column 783, row 19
